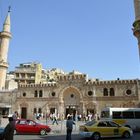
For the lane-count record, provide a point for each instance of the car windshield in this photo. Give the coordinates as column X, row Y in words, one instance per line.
column 90, row 123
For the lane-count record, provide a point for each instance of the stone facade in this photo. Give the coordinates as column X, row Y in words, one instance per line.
column 74, row 93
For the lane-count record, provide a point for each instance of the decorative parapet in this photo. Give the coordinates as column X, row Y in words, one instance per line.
column 134, row 81
column 37, row 85
column 71, row 77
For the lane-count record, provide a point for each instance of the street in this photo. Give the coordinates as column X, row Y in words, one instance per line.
column 63, row 137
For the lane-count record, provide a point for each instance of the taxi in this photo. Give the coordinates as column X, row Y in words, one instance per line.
column 104, row 128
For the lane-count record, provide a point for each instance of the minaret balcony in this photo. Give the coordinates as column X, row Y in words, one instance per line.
column 3, row 64
column 136, row 32
column 136, row 29
column 6, row 34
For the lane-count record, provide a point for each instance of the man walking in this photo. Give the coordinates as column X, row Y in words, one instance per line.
column 9, row 130
column 55, row 119
column 69, row 126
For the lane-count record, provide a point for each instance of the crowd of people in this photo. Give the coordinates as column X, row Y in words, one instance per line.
column 55, row 117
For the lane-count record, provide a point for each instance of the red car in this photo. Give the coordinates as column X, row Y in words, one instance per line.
column 27, row 126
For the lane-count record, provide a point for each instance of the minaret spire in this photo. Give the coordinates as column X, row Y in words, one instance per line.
column 7, row 24
column 136, row 24
column 9, row 9
column 5, row 37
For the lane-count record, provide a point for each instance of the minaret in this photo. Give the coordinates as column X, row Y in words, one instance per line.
column 136, row 24
column 5, row 37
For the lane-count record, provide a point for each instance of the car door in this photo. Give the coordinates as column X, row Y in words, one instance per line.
column 21, row 126
column 114, row 129
column 31, row 127
column 103, row 129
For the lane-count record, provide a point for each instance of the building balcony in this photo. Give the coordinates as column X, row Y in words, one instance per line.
column 24, row 78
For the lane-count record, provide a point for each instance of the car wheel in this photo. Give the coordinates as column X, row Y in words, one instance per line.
column 42, row 132
column 126, row 134
column 96, row 136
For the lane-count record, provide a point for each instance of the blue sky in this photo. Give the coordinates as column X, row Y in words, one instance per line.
column 91, row 36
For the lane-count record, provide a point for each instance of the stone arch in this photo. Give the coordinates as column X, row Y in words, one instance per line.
column 91, row 108
column 70, row 88
column 24, row 109
column 91, row 105
column 24, row 104
column 71, row 100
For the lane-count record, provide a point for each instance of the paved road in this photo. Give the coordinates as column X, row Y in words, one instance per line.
column 59, row 133
column 63, row 137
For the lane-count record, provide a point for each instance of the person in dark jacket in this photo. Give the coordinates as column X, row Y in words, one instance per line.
column 69, row 126
column 9, row 130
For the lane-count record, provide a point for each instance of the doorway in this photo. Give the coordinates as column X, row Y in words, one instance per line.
column 52, row 110
column 90, row 111
column 72, row 111
column 24, row 112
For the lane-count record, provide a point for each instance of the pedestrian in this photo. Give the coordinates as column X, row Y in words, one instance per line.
column 47, row 117
column 9, row 130
column 55, row 119
column 0, row 118
column 15, row 115
column 69, row 126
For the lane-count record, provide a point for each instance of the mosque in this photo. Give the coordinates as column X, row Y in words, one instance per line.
column 30, row 89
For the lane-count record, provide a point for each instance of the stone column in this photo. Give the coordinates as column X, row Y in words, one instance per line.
column 61, row 108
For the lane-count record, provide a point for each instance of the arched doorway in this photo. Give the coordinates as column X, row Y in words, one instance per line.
column 72, row 106
column 24, row 107
column 91, row 109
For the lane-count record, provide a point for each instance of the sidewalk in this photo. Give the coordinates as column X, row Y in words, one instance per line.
column 60, row 129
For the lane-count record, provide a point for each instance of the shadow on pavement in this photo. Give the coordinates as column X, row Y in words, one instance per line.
column 59, row 137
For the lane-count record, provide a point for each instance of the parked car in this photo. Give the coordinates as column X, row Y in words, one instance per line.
column 27, row 126
column 103, row 128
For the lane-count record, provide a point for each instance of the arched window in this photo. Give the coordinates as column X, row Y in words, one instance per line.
column 35, row 94
column 39, row 110
column 112, row 93
column 35, row 110
column 53, row 94
column 40, row 93
column 105, row 92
